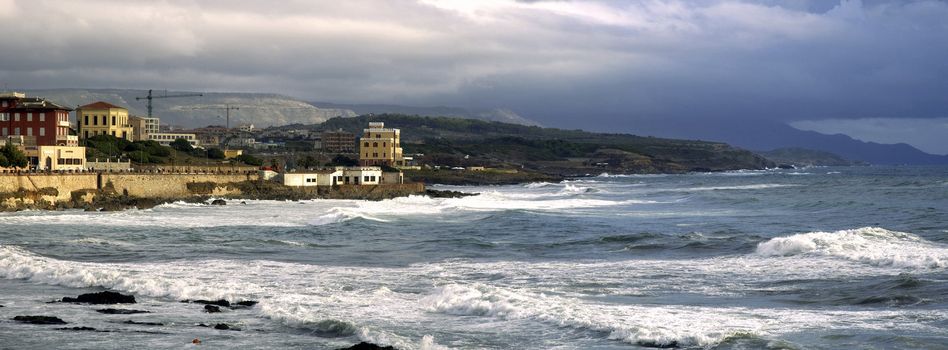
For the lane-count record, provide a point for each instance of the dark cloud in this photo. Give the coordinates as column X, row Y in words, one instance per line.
column 595, row 64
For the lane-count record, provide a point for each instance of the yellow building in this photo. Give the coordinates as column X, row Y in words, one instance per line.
column 57, row 158
column 103, row 118
column 380, row 146
column 233, row 153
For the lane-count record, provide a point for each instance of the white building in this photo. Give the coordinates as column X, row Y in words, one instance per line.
column 362, row 175
column 166, row 138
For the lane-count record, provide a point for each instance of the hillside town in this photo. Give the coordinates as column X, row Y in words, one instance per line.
column 39, row 135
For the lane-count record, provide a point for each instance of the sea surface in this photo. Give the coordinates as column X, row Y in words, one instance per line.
column 816, row 258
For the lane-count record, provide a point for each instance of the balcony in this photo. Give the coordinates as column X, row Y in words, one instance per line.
column 63, row 123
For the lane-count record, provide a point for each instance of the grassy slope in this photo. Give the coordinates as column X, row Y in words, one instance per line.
column 448, row 140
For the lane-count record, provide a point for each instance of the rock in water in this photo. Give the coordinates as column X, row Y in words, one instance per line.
column 121, row 311
column 220, row 302
column 247, row 303
column 39, row 319
column 77, row 329
column 102, row 298
column 211, row 309
column 218, row 202
column 367, row 346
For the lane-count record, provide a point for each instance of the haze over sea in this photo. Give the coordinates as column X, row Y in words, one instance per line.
column 824, row 258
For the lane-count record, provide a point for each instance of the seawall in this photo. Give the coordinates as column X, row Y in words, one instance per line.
column 120, row 190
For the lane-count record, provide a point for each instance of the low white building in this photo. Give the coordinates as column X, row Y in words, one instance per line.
column 326, row 177
column 166, row 138
column 360, row 175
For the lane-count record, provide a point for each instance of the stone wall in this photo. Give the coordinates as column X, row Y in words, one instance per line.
column 63, row 183
column 173, row 185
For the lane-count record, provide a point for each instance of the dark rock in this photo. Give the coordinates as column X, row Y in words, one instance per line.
column 367, row 346
column 447, row 194
column 39, row 319
column 121, row 311
column 225, row 327
column 211, row 309
column 144, row 323
column 220, row 302
column 247, row 303
column 1, row 305
column 218, row 202
column 77, row 329
column 243, row 202
column 102, row 298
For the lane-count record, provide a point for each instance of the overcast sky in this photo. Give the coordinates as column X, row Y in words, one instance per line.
column 598, row 65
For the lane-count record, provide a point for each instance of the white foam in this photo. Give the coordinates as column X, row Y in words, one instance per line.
column 394, row 306
column 871, row 245
column 740, row 187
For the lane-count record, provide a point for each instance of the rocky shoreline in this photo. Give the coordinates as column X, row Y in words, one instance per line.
column 108, row 199
column 115, row 298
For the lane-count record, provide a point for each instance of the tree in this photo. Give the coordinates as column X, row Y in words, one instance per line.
column 215, row 153
column 344, row 161
column 250, row 160
column 14, row 156
column 307, row 162
column 181, row 145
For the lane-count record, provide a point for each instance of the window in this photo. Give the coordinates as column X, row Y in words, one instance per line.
column 4, row 131
column 375, row 155
column 375, row 144
column 365, row 178
column 87, row 119
column 42, row 117
column 5, row 104
column 95, row 120
column 29, row 117
column 42, row 131
column 113, row 120
column 16, row 131
column 378, row 136
column 16, row 117
column 29, row 131
column 366, row 144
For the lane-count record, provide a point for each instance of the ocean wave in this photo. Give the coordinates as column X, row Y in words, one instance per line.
column 741, row 187
column 643, row 326
column 871, row 245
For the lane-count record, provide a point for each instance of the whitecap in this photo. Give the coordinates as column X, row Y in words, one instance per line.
column 871, row 245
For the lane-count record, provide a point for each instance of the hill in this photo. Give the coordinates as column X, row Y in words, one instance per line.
column 259, row 109
column 469, row 142
column 807, row 157
column 497, row 115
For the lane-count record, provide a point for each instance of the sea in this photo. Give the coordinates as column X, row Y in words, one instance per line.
column 813, row 258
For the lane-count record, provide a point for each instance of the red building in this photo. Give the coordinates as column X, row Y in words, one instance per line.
column 35, row 118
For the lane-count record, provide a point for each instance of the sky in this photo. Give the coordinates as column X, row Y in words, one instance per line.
column 828, row 65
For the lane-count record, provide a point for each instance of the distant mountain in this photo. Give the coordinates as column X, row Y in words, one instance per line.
column 497, row 115
column 768, row 135
column 806, row 157
column 258, row 108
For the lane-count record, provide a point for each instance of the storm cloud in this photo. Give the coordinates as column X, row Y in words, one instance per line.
column 600, row 65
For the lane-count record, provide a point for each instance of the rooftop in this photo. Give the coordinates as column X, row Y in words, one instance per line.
column 100, row 105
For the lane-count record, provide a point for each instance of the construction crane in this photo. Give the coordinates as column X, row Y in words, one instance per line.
column 226, row 108
column 150, row 97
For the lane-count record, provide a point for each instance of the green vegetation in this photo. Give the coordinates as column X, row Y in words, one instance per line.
column 249, row 159
column 470, row 142
column 151, row 152
column 11, row 156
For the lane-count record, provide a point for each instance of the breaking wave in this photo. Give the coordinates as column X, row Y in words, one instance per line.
column 871, row 245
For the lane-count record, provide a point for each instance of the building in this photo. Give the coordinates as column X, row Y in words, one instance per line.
column 138, row 128
column 103, row 118
column 166, row 138
column 338, row 142
column 245, row 127
column 233, row 153
column 380, row 146
column 325, row 177
column 56, row 158
column 41, row 121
